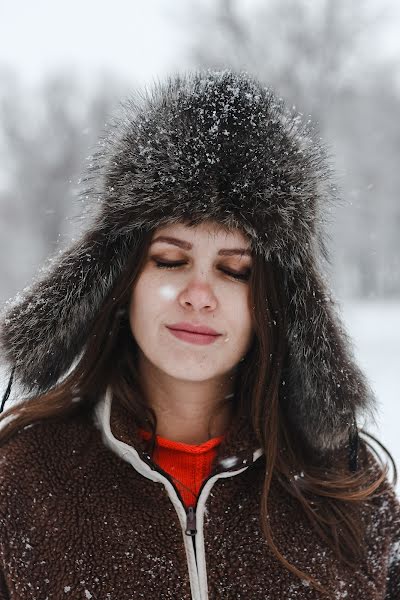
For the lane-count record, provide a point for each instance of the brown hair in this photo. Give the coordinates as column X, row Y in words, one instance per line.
column 328, row 493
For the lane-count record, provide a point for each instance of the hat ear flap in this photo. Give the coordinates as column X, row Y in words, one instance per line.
column 43, row 333
column 324, row 389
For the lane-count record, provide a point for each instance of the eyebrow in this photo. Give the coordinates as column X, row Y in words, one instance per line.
column 188, row 246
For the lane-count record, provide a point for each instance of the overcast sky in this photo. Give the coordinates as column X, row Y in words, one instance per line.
column 139, row 39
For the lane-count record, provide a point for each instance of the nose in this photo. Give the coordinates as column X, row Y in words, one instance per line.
column 199, row 295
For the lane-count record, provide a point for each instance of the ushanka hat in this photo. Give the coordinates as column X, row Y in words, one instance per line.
column 204, row 145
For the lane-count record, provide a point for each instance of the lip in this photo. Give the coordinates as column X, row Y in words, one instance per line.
column 192, row 328
column 194, row 338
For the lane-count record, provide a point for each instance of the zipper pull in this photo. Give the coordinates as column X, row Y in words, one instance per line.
column 191, row 521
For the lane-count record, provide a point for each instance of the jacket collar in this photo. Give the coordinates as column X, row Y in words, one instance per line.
column 239, row 446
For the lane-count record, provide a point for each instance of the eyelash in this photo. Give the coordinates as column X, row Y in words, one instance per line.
column 171, row 265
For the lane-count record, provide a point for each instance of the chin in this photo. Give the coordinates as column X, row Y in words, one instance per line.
column 195, row 372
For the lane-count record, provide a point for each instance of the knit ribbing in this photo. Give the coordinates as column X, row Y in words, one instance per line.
column 188, row 464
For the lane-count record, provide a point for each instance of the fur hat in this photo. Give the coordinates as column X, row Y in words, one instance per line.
column 205, row 145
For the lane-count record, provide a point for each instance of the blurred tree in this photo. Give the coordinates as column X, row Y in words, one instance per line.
column 302, row 49
column 368, row 142
column 45, row 136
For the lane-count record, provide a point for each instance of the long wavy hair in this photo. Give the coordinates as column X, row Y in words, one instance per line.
column 327, row 491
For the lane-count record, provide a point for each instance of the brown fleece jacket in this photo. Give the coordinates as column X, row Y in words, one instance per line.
column 84, row 513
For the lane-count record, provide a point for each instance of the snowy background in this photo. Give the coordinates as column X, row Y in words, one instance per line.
column 65, row 65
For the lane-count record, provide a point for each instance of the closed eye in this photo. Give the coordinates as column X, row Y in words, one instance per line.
column 244, row 276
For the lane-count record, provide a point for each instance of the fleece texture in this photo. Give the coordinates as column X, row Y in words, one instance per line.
column 205, row 145
column 77, row 520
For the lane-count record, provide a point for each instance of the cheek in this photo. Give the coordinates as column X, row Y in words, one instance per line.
column 149, row 299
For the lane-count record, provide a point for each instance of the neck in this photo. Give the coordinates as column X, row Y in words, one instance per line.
column 191, row 412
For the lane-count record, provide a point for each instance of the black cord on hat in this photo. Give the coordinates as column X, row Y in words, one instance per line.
column 8, row 390
column 353, row 446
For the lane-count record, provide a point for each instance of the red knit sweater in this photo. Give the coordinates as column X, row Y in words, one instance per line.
column 188, row 464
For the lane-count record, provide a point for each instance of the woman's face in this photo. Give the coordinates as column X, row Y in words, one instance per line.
column 200, row 290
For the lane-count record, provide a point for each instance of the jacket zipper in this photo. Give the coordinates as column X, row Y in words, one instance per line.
column 191, row 528
column 191, row 521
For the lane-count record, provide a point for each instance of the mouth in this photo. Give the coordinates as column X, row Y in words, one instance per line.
column 194, row 337
column 193, row 328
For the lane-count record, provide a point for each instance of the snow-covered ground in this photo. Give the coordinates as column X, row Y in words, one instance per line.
column 375, row 330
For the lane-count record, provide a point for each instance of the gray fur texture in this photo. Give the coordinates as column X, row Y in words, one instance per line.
column 204, row 145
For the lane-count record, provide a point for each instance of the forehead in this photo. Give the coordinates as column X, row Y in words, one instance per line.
column 203, row 232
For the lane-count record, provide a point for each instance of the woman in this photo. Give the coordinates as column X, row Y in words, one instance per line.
column 191, row 424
